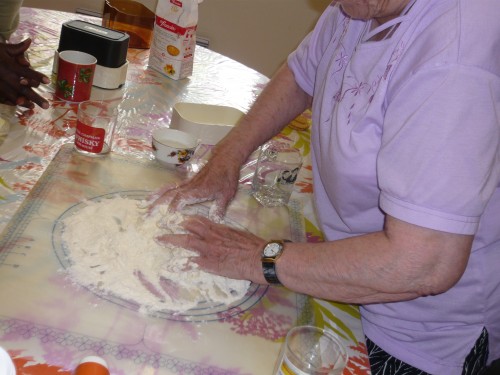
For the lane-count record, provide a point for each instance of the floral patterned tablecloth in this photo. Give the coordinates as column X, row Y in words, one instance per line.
column 46, row 325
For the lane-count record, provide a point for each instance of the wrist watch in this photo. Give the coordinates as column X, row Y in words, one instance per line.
column 270, row 254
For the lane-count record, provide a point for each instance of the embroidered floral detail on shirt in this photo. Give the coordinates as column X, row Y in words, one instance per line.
column 353, row 88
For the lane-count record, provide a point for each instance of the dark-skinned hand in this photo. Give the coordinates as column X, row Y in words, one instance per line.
column 17, row 78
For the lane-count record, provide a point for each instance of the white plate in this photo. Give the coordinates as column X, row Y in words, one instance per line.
column 203, row 312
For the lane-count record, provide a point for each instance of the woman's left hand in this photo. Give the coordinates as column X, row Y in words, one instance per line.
column 222, row 250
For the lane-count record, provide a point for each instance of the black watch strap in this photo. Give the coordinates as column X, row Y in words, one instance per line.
column 269, row 270
column 269, row 258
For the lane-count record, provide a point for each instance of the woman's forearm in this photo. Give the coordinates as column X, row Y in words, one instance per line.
column 401, row 262
column 279, row 103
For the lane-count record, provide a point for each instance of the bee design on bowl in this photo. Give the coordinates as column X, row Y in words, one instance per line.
column 182, row 155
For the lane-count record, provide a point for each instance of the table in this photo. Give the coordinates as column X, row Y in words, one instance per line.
column 48, row 325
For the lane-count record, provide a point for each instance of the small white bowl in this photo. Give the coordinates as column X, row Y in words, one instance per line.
column 173, row 147
column 209, row 123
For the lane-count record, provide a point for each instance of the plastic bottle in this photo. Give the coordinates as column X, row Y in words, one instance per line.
column 92, row 365
column 6, row 364
column 131, row 17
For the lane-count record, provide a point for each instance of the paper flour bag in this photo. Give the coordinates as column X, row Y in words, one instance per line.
column 174, row 37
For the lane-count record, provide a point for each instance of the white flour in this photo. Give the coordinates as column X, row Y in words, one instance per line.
column 112, row 250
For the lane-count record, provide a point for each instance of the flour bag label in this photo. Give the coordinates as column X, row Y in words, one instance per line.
column 174, row 38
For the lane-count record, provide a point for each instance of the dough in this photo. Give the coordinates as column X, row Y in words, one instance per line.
column 112, row 250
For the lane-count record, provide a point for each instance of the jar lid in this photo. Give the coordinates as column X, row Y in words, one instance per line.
column 92, row 365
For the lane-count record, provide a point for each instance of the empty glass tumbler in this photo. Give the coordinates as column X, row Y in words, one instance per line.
column 310, row 350
column 277, row 169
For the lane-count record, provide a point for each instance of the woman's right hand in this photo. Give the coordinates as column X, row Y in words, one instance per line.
column 279, row 103
column 217, row 181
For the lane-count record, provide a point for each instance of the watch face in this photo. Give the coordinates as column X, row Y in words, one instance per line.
column 272, row 249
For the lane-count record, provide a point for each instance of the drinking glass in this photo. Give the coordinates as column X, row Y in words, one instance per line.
column 310, row 350
column 277, row 168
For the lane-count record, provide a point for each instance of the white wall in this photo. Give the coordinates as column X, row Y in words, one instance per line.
column 258, row 33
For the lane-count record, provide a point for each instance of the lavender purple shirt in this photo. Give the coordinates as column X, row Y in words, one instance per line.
column 410, row 127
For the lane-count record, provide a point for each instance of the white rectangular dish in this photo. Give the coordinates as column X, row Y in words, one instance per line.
column 209, row 123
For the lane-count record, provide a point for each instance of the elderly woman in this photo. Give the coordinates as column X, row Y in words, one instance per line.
column 17, row 79
column 406, row 161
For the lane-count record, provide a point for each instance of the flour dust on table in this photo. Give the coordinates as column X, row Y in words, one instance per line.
column 111, row 250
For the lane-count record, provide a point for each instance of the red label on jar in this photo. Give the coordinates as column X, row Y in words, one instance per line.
column 88, row 138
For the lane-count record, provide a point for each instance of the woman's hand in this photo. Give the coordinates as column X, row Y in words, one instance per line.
column 279, row 103
column 222, row 250
column 217, row 181
column 17, row 78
